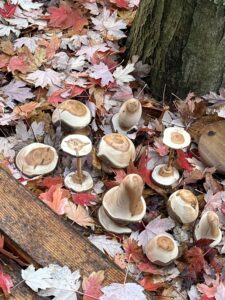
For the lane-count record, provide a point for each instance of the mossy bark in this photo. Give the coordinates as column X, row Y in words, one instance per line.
column 183, row 41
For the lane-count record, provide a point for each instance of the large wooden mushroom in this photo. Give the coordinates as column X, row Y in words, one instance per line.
column 73, row 114
column 78, row 146
column 116, row 150
column 36, row 159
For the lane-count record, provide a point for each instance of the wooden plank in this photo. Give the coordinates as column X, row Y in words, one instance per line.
column 44, row 236
column 20, row 291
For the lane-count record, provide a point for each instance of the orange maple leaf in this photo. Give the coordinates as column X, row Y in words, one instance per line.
column 78, row 214
column 26, row 109
column 19, row 63
column 51, row 47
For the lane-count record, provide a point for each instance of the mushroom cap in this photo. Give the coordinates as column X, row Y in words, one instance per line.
column 77, row 145
column 71, row 183
column 116, row 150
column 162, row 249
column 209, row 228
column 36, row 159
column 73, row 113
column 161, row 177
column 183, row 206
column 129, row 115
column 176, row 138
column 109, row 225
column 124, row 203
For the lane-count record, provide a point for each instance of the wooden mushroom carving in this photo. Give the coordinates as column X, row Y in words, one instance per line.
column 175, row 138
column 78, row 146
column 128, row 116
column 162, row 249
column 123, row 204
column 36, row 159
column 116, row 150
column 183, row 207
column 72, row 114
column 209, row 228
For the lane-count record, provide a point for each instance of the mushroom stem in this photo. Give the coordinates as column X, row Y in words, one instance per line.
column 79, row 169
column 171, row 159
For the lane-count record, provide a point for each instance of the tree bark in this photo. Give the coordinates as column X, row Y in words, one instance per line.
column 183, row 41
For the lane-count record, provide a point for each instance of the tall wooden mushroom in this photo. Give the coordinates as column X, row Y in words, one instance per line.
column 123, row 205
column 175, row 138
column 78, row 146
column 128, row 116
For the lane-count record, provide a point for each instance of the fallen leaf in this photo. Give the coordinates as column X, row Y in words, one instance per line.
column 79, row 215
column 26, row 109
column 149, row 285
column 8, row 10
column 6, row 283
column 106, row 245
column 65, row 17
column 153, row 228
column 84, row 199
column 133, row 252
column 92, row 285
column 148, row 267
column 117, row 291
column 56, row 198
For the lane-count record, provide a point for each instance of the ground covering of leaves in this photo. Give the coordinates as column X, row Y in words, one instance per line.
column 51, row 51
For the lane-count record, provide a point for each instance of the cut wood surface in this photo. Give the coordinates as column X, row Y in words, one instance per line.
column 212, row 146
column 45, row 237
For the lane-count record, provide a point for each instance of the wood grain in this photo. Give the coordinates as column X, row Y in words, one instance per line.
column 211, row 146
column 45, row 237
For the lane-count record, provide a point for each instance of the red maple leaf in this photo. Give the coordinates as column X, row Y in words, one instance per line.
column 8, row 10
column 182, row 160
column 148, row 267
column 195, row 260
column 75, row 90
column 50, row 181
column 56, row 198
column 133, row 252
column 92, row 285
column 121, row 3
column 65, row 17
column 18, row 63
column 120, row 175
column 84, row 199
column 5, row 283
column 56, row 97
column 149, row 285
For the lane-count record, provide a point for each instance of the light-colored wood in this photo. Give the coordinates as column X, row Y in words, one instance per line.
column 212, row 146
column 45, row 237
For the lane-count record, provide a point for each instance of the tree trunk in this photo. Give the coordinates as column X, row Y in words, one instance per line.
column 183, row 41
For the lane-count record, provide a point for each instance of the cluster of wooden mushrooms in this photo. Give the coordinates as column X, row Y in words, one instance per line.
column 123, row 204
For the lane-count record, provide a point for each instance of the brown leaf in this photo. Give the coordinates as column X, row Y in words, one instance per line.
column 79, row 215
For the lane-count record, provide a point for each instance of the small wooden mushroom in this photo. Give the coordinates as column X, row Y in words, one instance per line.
column 124, row 204
column 128, row 116
column 175, row 138
column 209, row 228
column 78, row 146
column 116, row 150
column 162, row 249
column 183, row 207
column 73, row 114
column 36, row 159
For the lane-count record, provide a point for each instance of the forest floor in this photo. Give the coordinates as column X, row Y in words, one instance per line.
column 52, row 51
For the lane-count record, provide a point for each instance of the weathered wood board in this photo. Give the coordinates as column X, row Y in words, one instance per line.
column 44, row 237
column 21, row 290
